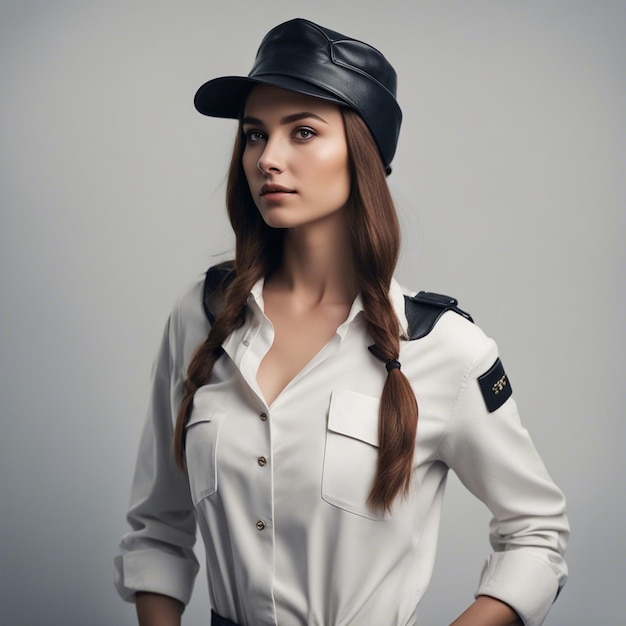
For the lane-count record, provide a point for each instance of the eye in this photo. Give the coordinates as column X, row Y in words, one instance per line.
column 304, row 133
column 254, row 136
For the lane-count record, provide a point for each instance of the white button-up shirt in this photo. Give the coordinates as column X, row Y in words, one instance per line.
column 279, row 492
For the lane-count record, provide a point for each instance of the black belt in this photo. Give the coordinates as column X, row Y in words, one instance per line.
column 217, row 620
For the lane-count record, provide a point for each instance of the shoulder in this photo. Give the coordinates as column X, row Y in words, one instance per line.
column 435, row 316
column 424, row 309
column 188, row 307
column 445, row 336
column 463, row 339
column 188, row 323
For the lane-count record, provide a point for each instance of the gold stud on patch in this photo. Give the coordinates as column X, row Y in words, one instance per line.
column 495, row 386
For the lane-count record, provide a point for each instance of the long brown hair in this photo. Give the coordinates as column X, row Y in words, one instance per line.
column 375, row 243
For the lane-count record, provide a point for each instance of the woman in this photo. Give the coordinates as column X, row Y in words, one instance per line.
column 292, row 380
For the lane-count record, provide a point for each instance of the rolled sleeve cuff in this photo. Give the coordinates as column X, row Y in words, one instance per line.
column 525, row 582
column 156, row 572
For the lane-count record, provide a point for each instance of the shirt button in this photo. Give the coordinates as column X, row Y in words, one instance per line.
column 262, row 461
column 263, row 417
column 246, row 342
column 260, row 525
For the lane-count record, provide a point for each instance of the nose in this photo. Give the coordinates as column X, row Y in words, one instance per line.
column 271, row 159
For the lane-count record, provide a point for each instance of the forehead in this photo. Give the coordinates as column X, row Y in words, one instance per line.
column 265, row 100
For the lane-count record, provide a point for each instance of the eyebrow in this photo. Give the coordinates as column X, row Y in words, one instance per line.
column 288, row 119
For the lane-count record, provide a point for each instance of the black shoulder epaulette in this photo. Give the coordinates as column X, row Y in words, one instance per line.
column 422, row 310
column 217, row 277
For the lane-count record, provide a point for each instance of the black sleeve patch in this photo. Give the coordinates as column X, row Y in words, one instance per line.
column 495, row 386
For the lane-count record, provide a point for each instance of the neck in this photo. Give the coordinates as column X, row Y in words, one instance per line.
column 317, row 262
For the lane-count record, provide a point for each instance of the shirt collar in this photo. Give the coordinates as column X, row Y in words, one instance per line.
column 255, row 298
column 396, row 295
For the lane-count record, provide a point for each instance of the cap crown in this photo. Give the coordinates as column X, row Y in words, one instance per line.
column 356, row 73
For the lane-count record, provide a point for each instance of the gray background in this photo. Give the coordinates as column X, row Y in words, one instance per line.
column 510, row 183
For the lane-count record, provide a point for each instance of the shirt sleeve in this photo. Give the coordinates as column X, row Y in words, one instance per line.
column 157, row 554
column 493, row 455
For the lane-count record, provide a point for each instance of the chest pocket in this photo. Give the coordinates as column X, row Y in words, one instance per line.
column 201, row 442
column 351, row 452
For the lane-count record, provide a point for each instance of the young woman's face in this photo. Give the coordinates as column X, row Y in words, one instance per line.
column 295, row 157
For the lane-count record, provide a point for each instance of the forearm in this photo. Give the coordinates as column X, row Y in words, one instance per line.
column 488, row 611
column 154, row 609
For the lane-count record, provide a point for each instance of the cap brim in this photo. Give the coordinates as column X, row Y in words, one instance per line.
column 226, row 96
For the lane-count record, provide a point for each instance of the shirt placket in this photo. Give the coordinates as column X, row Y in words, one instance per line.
column 246, row 347
column 261, row 521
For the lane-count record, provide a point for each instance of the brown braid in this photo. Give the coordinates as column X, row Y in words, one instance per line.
column 376, row 236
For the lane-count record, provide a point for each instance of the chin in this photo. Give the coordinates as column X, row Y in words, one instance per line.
column 279, row 219
column 284, row 224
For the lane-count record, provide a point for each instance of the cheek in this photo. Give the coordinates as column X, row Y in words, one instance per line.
column 336, row 172
column 329, row 159
column 249, row 164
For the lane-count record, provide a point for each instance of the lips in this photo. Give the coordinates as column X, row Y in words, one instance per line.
column 277, row 190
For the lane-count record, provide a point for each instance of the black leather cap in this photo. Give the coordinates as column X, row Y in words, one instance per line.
column 310, row 59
